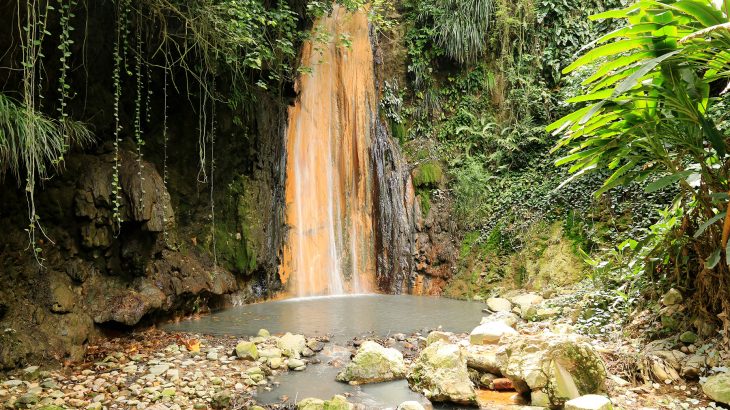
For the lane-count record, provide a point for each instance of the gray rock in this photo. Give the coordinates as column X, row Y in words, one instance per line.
column 440, row 373
column 159, row 369
column 27, row 401
column 12, row 383
column 222, row 400
column 693, row 367
column 525, row 301
column 247, row 350
column 717, row 387
column 269, row 352
column 310, row 403
column 482, row 358
column 410, row 405
column 31, row 373
column 335, row 403
column 315, row 345
column 490, row 333
column 499, row 305
column 508, row 318
column 275, row 362
column 373, row 363
column 564, row 366
column 436, row 336
column 292, row 345
column 539, row 398
column 296, row 364
column 589, row 402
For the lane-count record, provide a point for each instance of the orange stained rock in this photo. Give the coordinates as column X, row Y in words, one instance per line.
column 329, row 203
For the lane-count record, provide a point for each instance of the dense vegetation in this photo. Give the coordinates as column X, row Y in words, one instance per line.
column 644, row 199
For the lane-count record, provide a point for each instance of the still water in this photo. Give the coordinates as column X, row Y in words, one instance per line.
column 342, row 318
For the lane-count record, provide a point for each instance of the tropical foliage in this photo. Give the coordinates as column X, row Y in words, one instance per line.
column 649, row 115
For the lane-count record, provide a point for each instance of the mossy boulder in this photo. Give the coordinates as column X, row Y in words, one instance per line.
column 561, row 366
column 335, row 403
column 428, row 174
column 688, row 337
column 291, row 345
column 440, row 373
column 247, row 350
column 717, row 388
column 490, row 333
column 373, row 363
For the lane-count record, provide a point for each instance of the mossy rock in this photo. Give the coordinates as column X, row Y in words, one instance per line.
column 558, row 365
column 247, row 350
column 440, row 372
column 336, row 403
column 373, row 363
column 429, row 174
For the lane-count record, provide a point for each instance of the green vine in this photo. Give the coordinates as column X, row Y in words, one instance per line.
column 65, row 10
column 121, row 30
column 138, row 106
column 165, row 234
column 212, row 171
column 32, row 63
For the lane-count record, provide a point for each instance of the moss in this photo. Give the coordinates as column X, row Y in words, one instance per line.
column 486, row 265
column 239, row 235
column 424, row 196
column 429, row 174
column 399, row 132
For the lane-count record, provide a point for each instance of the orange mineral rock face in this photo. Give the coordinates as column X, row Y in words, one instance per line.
column 329, row 207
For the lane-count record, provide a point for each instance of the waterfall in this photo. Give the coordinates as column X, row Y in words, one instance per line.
column 329, row 247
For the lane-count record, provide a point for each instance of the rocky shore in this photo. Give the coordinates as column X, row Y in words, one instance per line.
column 519, row 357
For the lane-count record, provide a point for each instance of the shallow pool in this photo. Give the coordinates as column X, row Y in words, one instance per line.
column 342, row 318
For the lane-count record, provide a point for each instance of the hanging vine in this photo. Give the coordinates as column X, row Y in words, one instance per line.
column 138, row 105
column 65, row 11
column 121, row 30
column 202, row 130
column 165, row 234
column 212, row 172
column 32, row 63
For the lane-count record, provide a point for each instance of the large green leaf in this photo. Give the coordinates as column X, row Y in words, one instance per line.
column 664, row 182
column 714, row 136
column 709, row 223
column 703, row 11
column 713, row 260
column 609, row 49
column 616, row 64
column 630, row 31
column 634, row 78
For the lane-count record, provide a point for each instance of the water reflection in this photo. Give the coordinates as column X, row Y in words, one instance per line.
column 344, row 317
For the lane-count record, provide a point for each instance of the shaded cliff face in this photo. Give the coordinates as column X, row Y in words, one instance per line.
column 396, row 215
column 91, row 272
column 329, row 181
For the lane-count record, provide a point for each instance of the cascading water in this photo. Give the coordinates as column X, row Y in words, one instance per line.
column 329, row 179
